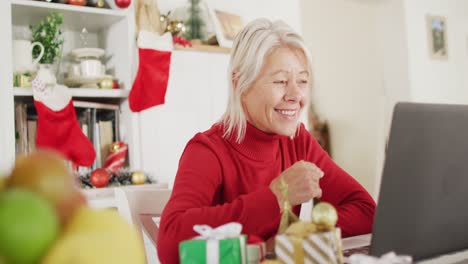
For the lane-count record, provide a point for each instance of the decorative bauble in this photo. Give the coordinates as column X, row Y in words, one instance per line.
column 115, row 84
column 324, row 216
column 106, row 83
column 100, row 3
column 114, row 147
column 99, row 177
column 116, row 157
column 163, row 18
column 122, row 3
column 175, row 27
column 138, row 177
column 77, row 2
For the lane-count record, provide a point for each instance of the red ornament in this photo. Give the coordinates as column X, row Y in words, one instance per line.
column 122, row 3
column 116, row 157
column 115, row 84
column 99, row 177
column 77, row 2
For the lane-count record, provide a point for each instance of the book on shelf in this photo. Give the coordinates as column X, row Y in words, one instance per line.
column 100, row 121
column 21, row 128
column 32, row 127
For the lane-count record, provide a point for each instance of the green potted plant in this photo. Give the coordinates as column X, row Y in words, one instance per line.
column 49, row 34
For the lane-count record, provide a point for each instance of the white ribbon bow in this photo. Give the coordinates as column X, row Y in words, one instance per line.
column 228, row 230
column 213, row 235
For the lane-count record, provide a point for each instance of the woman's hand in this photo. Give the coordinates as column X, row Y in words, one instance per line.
column 302, row 179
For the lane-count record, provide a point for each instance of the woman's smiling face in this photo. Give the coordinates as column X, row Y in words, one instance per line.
column 275, row 100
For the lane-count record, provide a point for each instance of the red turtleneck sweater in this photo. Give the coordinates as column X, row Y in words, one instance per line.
column 220, row 181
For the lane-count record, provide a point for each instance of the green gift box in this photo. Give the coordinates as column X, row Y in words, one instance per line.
column 224, row 245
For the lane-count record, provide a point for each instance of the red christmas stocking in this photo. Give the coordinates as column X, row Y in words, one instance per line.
column 57, row 125
column 150, row 85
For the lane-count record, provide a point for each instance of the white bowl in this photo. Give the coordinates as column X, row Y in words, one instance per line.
column 87, row 53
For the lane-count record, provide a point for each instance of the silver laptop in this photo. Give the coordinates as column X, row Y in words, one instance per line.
column 423, row 203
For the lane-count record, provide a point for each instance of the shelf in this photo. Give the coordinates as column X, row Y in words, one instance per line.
column 204, row 48
column 104, row 197
column 81, row 92
column 26, row 12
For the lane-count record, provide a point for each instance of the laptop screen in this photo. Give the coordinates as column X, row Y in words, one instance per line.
column 422, row 208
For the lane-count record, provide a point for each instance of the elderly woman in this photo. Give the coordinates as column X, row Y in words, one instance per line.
column 232, row 171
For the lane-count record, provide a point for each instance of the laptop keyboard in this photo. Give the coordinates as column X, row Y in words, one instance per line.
column 365, row 250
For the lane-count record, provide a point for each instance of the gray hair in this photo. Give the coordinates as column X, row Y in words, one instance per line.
column 250, row 48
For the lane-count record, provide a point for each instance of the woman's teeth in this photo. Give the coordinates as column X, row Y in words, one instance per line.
column 287, row 112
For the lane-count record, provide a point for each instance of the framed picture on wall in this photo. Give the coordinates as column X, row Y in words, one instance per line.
column 226, row 25
column 437, row 37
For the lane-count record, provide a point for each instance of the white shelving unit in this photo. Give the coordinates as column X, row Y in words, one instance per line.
column 28, row 12
column 110, row 29
column 81, row 92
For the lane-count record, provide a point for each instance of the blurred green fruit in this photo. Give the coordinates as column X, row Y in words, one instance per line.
column 28, row 226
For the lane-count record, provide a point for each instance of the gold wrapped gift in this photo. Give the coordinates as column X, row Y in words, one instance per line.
column 317, row 242
column 309, row 245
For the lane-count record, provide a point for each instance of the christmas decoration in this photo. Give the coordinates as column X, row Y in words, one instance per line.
column 318, row 241
column 164, row 19
column 195, row 22
column 175, row 27
column 122, row 3
column 100, row 3
column 115, row 84
column 116, row 157
column 100, row 177
column 223, row 244
column 96, row 3
column 149, row 87
column 138, row 177
column 324, row 216
column 77, row 2
column 49, row 34
column 106, row 83
column 178, row 40
column 57, row 126
column 121, row 177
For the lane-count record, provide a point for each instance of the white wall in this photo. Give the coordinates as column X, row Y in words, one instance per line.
column 349, row 92
column 370, row 55
column 286, row 10
column 393, row 45
column 435, row 80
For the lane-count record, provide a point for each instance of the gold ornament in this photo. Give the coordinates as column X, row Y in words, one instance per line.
column 175, row 27
column 138, row 177
column 106, row 83
column 114, row 147
column 163, row 18
column 100, row 3
column 324, row 216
